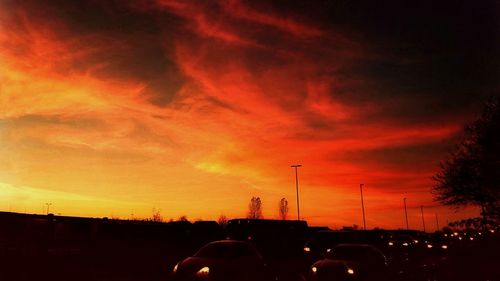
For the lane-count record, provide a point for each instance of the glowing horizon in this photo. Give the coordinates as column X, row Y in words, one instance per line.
column 192, row 108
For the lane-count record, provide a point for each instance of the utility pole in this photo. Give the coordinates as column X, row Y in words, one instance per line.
column 406, row 213
column 48, row 207
column 423, row 220
column 297, row 189
column 437, row 222
column 362, row 205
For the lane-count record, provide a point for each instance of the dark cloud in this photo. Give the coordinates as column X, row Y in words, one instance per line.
column 121, row 43
column 411, row 157
column 429, row 60
column 351, row 89
column 416, row 62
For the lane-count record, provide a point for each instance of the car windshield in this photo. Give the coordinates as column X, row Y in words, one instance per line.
column 349, row 253
column 226, row 251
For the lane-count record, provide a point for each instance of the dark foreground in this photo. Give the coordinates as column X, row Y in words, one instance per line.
column 63, row 248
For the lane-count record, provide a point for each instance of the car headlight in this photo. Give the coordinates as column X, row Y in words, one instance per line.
column 307, row 249
column 429, row 246
column 350, row 271
column 204, row 271
column 405, row 244
column 314, row 269
column 444, row 246
column 391, row 243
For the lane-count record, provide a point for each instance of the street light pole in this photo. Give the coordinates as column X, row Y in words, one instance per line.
column 362, row 205
column 423, row 220
column 48, row 206
column 406, row 213
column 297, row 189
column 437, row 222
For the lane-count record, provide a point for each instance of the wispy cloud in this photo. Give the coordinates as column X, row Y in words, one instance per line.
column 187, row 103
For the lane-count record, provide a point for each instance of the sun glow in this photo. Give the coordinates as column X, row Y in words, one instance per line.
column 194, row 108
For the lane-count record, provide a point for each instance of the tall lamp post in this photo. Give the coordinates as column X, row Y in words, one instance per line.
column 423, row 220
column 406, row 213
column 48, row 206
column 437, row 222
column 297, row 188
column 362, row 205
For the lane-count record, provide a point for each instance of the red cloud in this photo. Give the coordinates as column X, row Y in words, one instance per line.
column 258, row 91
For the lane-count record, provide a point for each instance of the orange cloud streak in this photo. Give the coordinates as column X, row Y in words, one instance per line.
column 74, row 125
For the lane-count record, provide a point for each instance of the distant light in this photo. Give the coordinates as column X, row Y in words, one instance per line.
column 328, row 250
column 445, row 235
column 456, row 233
column 479, row 233
column 314, row 269
column 203, row 271
column 391, row 243
column 416, row 241
column 405, row 244
column 459, row 238
column 444, row 246
column 471, row 238
column 350, row 271
column 429, row 246
column 175, row 267
column 249, row 237
column 307, row 249
column 492, row 230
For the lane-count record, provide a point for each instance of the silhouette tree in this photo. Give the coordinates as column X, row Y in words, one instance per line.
column 222, row 221
column 471, row 174
column 156, row 215
column 283, row 208
column 255, row 208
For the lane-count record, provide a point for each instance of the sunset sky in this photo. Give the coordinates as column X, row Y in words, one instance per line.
column 113, row 108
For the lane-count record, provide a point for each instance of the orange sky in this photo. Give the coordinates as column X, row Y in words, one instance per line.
column 193, row 107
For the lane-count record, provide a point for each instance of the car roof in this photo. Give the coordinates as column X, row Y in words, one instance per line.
column 228, row 241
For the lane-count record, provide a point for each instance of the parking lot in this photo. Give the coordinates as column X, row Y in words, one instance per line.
column 64, row 248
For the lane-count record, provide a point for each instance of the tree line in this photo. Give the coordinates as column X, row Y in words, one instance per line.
column 255, row 208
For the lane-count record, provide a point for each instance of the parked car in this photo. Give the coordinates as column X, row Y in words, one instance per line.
column 223, row 260
column 324, row 241
column 280, row 242
column 351, row 262
column 318, row 245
